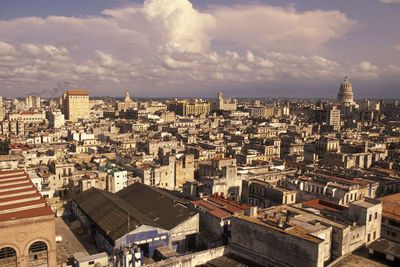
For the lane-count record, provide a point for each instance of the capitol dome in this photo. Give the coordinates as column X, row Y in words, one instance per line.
column 346, row 95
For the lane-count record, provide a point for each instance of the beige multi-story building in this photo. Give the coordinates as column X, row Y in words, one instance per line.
column 56, row 119
column 27, row 116
column 224, row 103
column 185, row 108
column 76, row 105
column 261, row 112
column 2, row 113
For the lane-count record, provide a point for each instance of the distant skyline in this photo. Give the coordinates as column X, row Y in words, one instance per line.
column 182, row 48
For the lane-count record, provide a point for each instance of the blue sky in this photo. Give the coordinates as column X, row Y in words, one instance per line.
column 194, row 48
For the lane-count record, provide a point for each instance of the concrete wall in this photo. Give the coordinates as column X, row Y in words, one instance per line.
column 194, row 259
column 276, row 244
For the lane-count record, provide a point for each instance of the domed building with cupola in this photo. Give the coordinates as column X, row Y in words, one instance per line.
column 346, row 96
column 127, row 103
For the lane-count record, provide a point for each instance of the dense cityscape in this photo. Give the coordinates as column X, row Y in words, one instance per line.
column 191, row 182
column 199, row 133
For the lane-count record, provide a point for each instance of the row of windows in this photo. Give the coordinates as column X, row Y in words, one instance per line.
column 373, row 237
column 392, row 234
column 370, row 216
column 78, row 97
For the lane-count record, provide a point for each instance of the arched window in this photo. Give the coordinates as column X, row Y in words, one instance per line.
column 8, row 257
column 38, row 254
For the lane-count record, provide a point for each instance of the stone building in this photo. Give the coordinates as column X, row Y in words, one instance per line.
column 27, row 224
column 263, row 194
column 186, row 108
column 223, row 103
column 309, row 234
column 127, row 104
column 346, row 96
column 282, row 237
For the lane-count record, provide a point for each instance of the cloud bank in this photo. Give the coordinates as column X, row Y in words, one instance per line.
column 167, row 44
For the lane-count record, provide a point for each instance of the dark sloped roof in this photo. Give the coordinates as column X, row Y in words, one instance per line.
column 110, row 212
column 386, row 246
column 162, row 207
column 231, row 260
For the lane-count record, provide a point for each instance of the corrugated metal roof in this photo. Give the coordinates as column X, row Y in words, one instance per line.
column 110, row 212
column 158, row 205
column 145, row 205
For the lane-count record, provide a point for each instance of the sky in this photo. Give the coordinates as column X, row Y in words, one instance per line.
column 195, row 48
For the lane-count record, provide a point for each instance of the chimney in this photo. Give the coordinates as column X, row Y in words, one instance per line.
column 280, row 222
column 287, row 218
column 253, row 212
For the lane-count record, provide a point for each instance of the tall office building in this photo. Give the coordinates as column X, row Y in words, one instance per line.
column 346, row 96
column 76, row 105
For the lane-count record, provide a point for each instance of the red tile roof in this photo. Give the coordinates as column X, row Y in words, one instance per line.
column 212, row 209
column 220, row 207
column 19, row 198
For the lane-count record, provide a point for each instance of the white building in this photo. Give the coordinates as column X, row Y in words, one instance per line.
column 56, row 119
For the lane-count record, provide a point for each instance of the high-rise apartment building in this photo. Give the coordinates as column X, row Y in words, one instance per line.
column 32, row 101
column 76, row 105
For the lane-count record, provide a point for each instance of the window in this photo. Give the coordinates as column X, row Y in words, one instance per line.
column 370, row 218
column 369, row 237
column 374, row 235
column 376, row 215
column 91, row 262
column 8, row 256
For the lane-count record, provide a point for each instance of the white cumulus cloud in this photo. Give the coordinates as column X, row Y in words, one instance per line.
column 168, row 43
